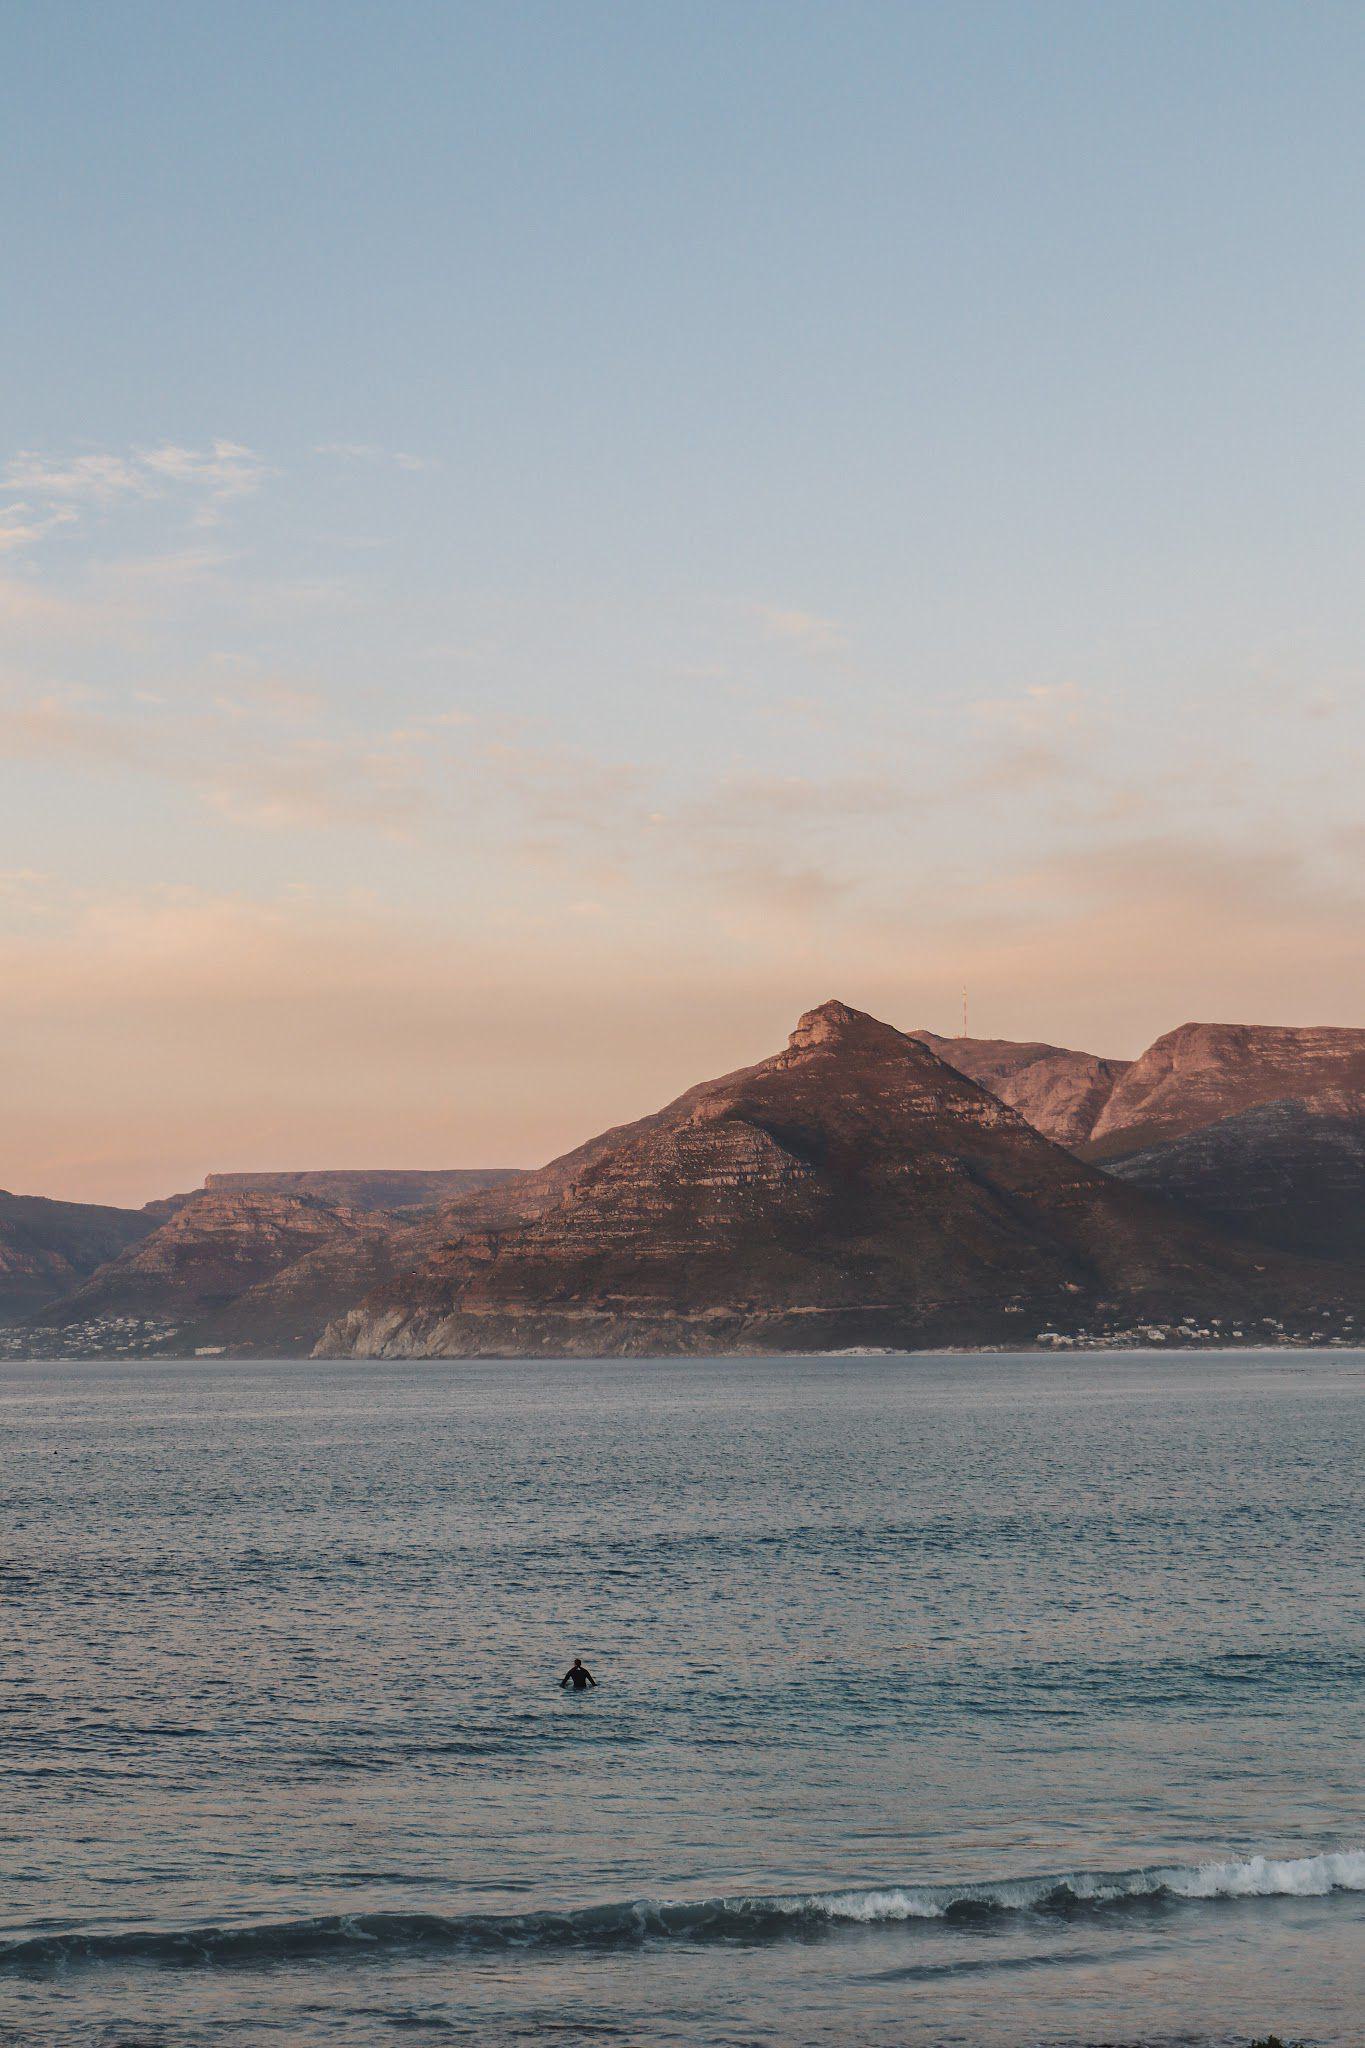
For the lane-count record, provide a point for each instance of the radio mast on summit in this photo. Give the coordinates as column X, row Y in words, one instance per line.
column 964, row 1011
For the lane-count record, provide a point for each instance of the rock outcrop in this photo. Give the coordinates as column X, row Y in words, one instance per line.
column 852, row 1190
column 1059, row 1092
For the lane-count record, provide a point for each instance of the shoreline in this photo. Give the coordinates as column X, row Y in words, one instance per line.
column 1062, row 1347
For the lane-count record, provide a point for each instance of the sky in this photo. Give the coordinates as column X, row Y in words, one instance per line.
column 539, row 541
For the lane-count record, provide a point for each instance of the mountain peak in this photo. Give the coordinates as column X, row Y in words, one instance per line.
column 836, row 1024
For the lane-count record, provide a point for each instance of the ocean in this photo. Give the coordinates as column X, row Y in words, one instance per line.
column 945, row 1701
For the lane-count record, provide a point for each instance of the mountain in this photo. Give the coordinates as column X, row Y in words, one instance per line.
column 253, row 1270
column 370, row 1188
column 852, row 1190
column 862, row 1187
column 1258, row 1128
column 211, row 1251
column 1059, row 1092
column 46, row 1248
column 1290, row 1174
column 1200, row 1073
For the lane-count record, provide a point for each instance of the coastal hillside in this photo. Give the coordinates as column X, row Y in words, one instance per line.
column 214, row 1249
column 1187, row 1079
column 864, row 1186
column 1258, row 1128
column 852, row 1190
column 47, row 1248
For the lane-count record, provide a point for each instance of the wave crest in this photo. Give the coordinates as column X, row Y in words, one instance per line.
column 636, row 1922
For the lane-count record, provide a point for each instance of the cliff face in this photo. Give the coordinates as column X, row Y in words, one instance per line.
column 281, row 1314
column 1059, row 1092
column 47, row 1248
column 1200, row 1073
column 853, row 1189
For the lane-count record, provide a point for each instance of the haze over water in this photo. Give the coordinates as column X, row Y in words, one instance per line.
column 981, row 1700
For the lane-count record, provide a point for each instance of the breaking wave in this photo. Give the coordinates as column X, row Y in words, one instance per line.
column 635, row 1923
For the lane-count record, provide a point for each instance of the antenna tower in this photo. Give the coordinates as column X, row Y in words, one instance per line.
column 964, row 1013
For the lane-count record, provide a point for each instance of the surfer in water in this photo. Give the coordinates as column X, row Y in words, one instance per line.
column 578, row 1676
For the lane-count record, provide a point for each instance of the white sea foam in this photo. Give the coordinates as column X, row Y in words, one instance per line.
column 633, row 1923
column 892, row 1904
column 1251, row 1877
column 1265, row 1877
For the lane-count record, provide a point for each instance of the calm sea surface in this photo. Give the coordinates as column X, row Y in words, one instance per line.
column 982, row 1701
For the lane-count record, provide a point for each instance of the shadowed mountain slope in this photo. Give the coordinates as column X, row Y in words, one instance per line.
column 47, row 1248
column 851, row 1190
column 1290, row 1174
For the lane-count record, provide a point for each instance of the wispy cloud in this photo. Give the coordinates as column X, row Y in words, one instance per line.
column 806, row 631
column 1042, row 708
column 564, row 786
column 214, row 476
column 226, row 470
column 246, row 694
column 369, row 451
column 21, row 882
column 20, row 526
column 792, row 890
column 150, row 577
column 222, row 757
column 89, row 478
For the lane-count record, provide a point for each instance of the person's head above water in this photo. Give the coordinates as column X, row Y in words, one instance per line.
column 578, row 1663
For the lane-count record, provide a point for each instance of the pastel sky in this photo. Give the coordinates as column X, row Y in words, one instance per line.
column 539, row 541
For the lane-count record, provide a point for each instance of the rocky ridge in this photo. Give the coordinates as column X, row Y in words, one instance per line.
column 1259, row 1128
column 852, row 1190
column 204, row 1263
column 1200, row 1073
column 1059, row 1092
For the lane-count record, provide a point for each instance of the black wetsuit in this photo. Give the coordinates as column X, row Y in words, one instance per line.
column 580, row 1678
